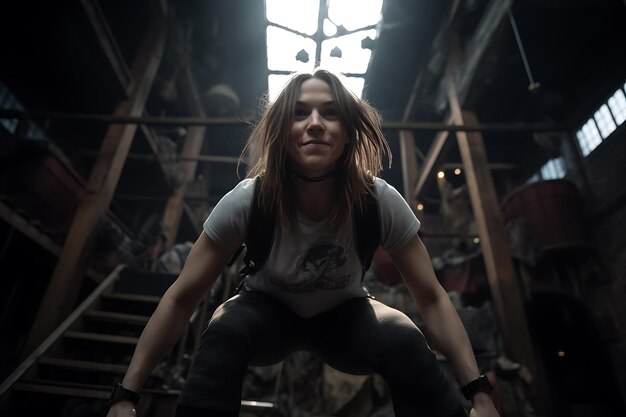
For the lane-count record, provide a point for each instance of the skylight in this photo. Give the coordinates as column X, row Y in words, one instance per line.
column 334, row 34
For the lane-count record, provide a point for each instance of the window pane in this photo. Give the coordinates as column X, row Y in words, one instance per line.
column 355, row 14
column 298, row 15
column 354, row 84
column 553, row 169
column 617, row 104
column 275, row 83
column 282, row 48
column 604, row 120
column 354, row 59
column 582, row 142
column 591, row 135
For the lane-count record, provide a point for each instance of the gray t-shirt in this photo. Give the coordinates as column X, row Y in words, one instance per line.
column 313, row 269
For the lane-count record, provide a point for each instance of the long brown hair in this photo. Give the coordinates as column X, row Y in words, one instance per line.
column 360, row 162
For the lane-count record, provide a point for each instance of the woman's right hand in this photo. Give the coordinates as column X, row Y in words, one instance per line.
column 122, row 409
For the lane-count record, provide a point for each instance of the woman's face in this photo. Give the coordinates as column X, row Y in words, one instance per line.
column 317, row 137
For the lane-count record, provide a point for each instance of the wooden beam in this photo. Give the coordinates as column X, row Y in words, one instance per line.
column 408, row 161
column 212, row 158
column 506, row 293
column 436, row 153
column 108, row 44
column 122, row 72
column 168, row 166
column 408, row 158
column 440, row 144
column 29, row 230
column 175, row 203
column 66, row 281
column 233, row 121
column 189, row 156
column 491, row 166
column 492, row 21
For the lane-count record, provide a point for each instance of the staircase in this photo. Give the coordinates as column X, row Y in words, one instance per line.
column 72, row 372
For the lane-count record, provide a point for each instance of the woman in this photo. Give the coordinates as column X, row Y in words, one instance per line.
column 320, row 151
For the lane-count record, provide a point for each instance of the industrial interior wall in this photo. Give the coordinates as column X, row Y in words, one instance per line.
column 604, row 196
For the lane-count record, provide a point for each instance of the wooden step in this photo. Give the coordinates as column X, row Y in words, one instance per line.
column 44, row 387
column 136, row 304
column 102, row 338
column 78, row 365
column 114, row 317
column 83, row 390
column 96, row 347
column 149, row 299
column 101, row 392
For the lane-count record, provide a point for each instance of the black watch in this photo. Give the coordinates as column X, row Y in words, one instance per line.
column 120, row 393
column 480, row 384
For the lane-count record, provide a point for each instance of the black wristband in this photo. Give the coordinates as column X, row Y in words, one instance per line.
column 119, row 393
column 480, row 384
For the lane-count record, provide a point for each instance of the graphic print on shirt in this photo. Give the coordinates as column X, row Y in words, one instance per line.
column 323, row 267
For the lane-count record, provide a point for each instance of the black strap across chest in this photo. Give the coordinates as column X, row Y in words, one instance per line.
column 262, row 229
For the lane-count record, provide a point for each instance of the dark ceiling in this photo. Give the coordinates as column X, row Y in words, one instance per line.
column 52, row 61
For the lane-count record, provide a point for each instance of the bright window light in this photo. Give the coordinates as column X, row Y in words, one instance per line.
column 354, row 84
column 588, row 137
column 329, row 28
column 534, row 178
column 355, row 14
column 302, row 17
column 276, row 82
column 605, row 121
column 553, row 169
column 282, row 48
column 354, row 59
column 298, row 15
column 617, row 104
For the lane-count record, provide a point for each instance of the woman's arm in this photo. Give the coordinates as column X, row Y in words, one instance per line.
column 205, row 262
column 440, row 317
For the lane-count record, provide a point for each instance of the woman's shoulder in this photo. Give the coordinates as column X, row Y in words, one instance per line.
column 243, row 188
column 239, row 196
column 382, row 187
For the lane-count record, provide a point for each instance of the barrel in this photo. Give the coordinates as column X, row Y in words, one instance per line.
column 552, row 209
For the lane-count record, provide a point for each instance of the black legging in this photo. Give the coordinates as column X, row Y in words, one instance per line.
column 361, row 336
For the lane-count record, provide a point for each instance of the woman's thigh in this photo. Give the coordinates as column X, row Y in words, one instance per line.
column 249, row 328
column 365, row 336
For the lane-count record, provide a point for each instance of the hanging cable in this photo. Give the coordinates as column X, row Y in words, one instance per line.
column 532, row 86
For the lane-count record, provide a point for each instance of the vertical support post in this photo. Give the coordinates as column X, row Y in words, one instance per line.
column 409, row 166
column 191, row 149
column 66, row 280
column 506, row 292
